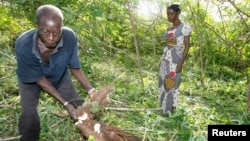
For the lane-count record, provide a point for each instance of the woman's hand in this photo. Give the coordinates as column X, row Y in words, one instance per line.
column 178, row 68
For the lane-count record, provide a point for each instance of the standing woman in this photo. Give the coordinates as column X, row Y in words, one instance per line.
column 178, row 43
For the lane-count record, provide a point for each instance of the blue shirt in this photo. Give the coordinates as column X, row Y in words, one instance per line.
column 30, row 65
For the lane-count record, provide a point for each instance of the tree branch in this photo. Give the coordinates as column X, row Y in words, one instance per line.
column 10, row 138
column 238, row 9
column 132, row 109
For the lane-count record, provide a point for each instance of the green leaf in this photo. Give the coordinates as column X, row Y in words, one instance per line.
column 91, row 138
column 95, row 107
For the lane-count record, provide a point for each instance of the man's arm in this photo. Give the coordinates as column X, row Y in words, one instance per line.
column 79, row 75
column 45, row 84
column 49, row 88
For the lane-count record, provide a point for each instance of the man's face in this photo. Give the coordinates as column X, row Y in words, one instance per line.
column 172, row 15
column 50, row 31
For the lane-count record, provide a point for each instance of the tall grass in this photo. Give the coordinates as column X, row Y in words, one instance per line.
column 219, row 101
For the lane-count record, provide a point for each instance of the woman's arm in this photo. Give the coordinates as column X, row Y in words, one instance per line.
column 185, row 53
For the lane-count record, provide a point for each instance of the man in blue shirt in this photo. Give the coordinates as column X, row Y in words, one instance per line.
column 44, row 57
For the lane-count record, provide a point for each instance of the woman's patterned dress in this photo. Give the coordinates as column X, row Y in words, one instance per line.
column 172, row 54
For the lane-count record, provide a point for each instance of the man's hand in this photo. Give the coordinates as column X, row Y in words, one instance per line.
column 102, row 95
column 71, row 110
column 93, row 94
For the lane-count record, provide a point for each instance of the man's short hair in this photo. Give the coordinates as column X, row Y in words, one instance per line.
column 50, row 11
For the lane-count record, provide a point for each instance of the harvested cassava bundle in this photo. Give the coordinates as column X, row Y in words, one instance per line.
column 99, row 130
column 102, row 96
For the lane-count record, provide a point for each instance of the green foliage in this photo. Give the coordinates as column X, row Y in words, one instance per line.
column 96, row 107
column 91, row 138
